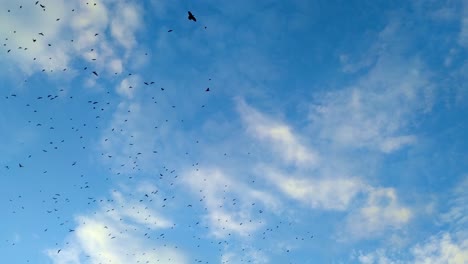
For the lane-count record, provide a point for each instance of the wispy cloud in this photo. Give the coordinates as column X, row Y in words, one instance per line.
column 115, row 234
column 229, row 202
column 317, row 192
column 376, row 111
column 381, row 212
column 456, row 213
column 284, row 142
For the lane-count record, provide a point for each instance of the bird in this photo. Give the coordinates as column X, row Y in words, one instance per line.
column 95, row 73
column 191, row 17
column 170, row 30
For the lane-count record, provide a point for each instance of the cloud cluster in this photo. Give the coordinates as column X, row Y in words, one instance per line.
column 373, row 115
column 376, row 213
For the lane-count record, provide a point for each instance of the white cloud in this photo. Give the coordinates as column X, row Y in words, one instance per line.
column 372, row 210
column 125, row 24
column 102, row 240
column 129, row 86
column 381, row 212
column 373, row 113
column 394, row 143
column 28, row 22
column 115, row 234
column 317, row 192
column 86, row 22
column 115, row 66
column 441, row 248
column 444, row 247
column 284, row 142
column 139, row 213
column 86, row 25
column 457, row 214
column 218, row 192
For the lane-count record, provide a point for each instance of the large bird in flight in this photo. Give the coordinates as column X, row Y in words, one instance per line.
column 191, row 16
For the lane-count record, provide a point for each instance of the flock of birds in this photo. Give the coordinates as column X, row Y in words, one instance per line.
column 68, row 134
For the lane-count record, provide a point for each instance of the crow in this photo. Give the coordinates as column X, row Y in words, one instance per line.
column 191, row 16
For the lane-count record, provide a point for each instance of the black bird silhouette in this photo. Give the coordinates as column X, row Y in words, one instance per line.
column 95, row 73
column 191, row 16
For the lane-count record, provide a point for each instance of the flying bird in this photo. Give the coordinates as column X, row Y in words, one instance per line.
column 95, row 73
column 191, row 16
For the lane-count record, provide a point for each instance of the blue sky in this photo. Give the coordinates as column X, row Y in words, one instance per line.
column 332, row 131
